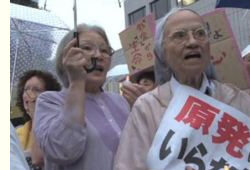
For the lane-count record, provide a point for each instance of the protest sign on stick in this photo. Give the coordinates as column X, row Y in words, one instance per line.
column 138, row 43
column 225, row 53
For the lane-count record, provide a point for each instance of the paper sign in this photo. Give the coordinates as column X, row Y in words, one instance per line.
column 200, row 131
column 224, row 51
column 138, row 42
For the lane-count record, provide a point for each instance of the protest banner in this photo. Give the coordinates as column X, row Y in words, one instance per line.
column 225, row 53
column 138, row 43
column 199, row 130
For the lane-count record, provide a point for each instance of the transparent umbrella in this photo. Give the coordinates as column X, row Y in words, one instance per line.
column 34, row 36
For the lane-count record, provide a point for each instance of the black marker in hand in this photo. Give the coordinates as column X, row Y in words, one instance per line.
column 92, row 66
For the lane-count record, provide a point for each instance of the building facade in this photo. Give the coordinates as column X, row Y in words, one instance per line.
column 238, row 18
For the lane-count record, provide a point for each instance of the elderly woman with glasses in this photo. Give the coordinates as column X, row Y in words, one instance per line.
column 31, row 84
column 79, row 127
column 182, row 57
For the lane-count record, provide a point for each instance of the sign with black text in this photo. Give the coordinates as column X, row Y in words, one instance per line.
column 138, row 43
column 199, row 130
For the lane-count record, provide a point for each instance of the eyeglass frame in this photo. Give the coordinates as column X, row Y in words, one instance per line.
column 186, row 37
column 108, row 54
column 34, row 90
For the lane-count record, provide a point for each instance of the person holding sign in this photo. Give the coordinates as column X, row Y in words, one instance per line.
column 182, row 59
column 147, row 80
column 246, row 58
column 245, row 54
column 79, row 127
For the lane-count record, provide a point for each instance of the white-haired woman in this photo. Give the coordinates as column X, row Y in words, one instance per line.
column 183, row 57
column 79, row 127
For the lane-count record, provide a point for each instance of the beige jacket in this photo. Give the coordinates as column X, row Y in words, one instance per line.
column 145, row 118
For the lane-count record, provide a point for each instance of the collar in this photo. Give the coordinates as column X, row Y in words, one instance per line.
column 207, row 86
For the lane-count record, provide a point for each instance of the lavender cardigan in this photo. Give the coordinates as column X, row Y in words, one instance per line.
column 71, row 146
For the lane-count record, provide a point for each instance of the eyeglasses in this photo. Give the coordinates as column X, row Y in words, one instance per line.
column 32, row 91
column 181, row 36
column 91, row 49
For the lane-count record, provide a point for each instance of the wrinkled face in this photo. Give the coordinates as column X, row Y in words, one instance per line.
column 147, row 84
column 32, row 88
column 186, row 44
column 92, row 43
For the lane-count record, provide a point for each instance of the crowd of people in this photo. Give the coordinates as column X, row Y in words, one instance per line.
column 81, row 126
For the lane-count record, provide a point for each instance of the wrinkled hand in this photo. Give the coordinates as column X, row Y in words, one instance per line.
column 74, row 62
column 131, row 91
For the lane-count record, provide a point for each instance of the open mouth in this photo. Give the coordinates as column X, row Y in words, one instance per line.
column 99, row 68
column 191, row 56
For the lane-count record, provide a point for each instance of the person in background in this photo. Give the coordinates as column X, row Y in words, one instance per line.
column 79, row 127
column 245, row 54
column 246, row 58
column 30, row 85
column 144, row 82
column 147, row 80
column 183, row 57
column 17, row 158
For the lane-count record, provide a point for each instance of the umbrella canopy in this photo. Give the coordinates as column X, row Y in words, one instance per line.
column 233, row 3
column 34, row 36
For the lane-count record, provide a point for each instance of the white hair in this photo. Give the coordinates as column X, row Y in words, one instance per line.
column 66, row 39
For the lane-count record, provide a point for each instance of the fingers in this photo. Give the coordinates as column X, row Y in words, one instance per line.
column 31, row 96
column 135, row 89
column 140, row 89
column 74, row 59
column 71, row 44
column 131, row 100
column 73, row 55
column 132, row 91
column 74, row 62
column 130, row 96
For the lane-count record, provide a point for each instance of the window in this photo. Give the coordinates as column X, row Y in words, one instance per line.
column 136, row 15
column 28, row 3
column 185, row 2
column 159, row 8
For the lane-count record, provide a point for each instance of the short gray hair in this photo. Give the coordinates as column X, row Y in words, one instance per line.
column 66, row 39
column 162, row 71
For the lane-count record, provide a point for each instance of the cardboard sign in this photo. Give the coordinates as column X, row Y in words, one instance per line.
column 200, row 131
column 225, row 53
column 138, row 42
